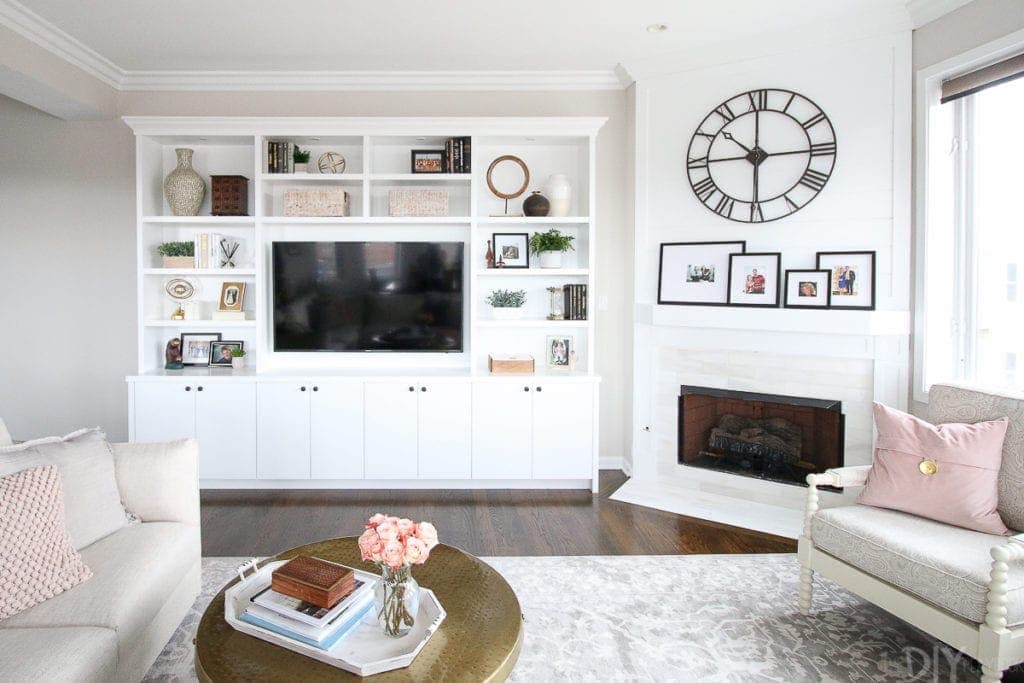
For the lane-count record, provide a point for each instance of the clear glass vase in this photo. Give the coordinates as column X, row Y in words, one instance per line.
column 397, row 600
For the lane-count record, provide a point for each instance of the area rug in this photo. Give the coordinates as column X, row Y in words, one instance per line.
column 686, row 618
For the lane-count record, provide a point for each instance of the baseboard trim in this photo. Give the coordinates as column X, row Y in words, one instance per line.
column 430, row 484
column 611, row 463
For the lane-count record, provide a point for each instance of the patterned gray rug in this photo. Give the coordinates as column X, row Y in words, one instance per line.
column 690, row 617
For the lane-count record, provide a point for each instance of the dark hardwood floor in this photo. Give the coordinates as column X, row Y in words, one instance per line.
column 485, row 522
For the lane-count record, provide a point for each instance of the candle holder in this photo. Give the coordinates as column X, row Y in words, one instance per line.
column 557, row 302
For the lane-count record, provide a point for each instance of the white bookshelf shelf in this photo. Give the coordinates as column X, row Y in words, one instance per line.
column 544, row 322
column 201, row 220
column 533, row 220
column 532, row 272
column 367, row 220
column 211, row 272
column 422, row 177
column 324, row 177
column 200, row 324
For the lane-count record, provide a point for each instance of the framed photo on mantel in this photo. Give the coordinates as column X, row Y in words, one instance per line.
column 852, row 278
column 696, row 273
column 754, row 279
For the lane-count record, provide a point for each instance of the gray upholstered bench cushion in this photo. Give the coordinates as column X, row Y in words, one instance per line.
column 945, row 565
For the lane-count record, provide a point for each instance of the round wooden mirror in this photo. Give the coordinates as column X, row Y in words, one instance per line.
column 504, row 173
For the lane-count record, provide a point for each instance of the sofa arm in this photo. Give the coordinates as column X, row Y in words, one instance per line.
column 837, row 476
column 159, row 482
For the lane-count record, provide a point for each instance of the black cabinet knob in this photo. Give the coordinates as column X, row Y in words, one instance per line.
column 302, row 388
column 199, row 388
column 423, row 388
column 539, row 389
column 316, row 388
column 526, row 388
column 188, row 388
column 412, row 388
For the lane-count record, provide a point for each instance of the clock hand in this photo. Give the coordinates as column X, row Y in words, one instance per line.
column 728, row 136
column 757, row 127
column 782, row 154
column 743, row 158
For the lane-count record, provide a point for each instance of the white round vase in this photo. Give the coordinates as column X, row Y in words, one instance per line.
column 183, row 187
column 558, row 190
column 550, row 259
column 238, row 363
column 506, row 313
column 301, row 167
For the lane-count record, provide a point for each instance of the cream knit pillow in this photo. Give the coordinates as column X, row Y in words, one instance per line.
column 37, row 560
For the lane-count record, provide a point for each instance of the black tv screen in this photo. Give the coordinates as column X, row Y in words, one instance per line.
column 368, row 296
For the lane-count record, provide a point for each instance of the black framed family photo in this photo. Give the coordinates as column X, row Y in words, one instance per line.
column 696, row 273
column 851, row 278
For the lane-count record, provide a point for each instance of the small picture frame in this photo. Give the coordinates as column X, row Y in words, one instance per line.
column 558, row 350
column 695, row 273
column 851, row 278
column 807, row 289
column 195, row 347
column 231, row 296
column 428, row 161
column 754, row 279
column 220, row 352
column 511, row 249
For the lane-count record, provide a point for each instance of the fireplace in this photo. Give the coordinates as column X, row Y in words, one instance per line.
column 767, row 436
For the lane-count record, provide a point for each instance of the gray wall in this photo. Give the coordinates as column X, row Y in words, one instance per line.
column 67, row 277
column 67, row 232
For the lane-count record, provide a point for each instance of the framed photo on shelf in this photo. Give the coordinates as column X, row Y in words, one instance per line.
column 195, row 347
column 695, row 273
column 558, row 350
column 220, row 352
column 754, row 279
column 428, row 161
column 511, row 249
column 231, row 296
column 807, row 289
column 851, row 278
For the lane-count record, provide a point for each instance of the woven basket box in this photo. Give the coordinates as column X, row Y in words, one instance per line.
column 418, row 202
column 316, row 202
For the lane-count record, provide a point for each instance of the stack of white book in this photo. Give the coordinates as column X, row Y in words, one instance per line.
column 306, row 623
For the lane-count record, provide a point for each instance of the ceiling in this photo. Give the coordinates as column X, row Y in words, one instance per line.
column 413, row 35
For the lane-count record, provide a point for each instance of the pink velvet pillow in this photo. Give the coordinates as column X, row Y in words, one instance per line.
column 946, row 472
column 37, row 559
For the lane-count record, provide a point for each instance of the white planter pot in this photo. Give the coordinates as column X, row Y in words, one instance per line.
column 301, row 168
column 550, row 259
column 507, row 313
column 238, row 363
column 558, row 190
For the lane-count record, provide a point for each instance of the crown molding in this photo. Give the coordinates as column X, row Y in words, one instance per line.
column 369, row 80
column 33, row 27
column 926, row 11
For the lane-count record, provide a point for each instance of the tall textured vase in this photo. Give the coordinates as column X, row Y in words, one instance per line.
column 183, row 187
column 559, row 193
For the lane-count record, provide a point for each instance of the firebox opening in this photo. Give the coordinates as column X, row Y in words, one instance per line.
column 768, row 436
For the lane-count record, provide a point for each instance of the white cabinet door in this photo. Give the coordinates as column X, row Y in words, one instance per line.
column 445, row 411
column 563, row 431
column 502, row 430
column 336, row 430
column 390, row 430
column 164, row 411
column 226, row 429
column 283, row 430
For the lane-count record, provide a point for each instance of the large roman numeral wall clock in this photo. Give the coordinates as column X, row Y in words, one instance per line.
column 761, row 155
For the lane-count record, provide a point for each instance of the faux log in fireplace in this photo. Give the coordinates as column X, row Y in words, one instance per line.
column 769, row 436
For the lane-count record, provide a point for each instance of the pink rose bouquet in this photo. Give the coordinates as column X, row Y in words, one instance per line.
column 395, row 545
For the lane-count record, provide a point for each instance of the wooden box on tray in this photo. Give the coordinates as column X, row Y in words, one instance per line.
column 510, row 364
column 317, row 582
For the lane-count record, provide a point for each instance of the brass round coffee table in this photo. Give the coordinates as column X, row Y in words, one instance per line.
column 478, row 641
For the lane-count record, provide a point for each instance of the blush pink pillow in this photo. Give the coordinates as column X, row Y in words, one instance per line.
column 37, row 559
column 946, row 472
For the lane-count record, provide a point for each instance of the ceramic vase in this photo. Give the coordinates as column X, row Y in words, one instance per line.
column 238, row 362
column 536, row 205
column 507, row 312
column 397, row 600
column 550, row 259
column 301, row 167
column 559, row 193
column 184, row 188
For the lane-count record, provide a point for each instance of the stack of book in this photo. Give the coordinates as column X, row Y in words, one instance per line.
column 575, row 302
column 279, row 157
column 458, row 155
column 213, row 250
column 311, row 601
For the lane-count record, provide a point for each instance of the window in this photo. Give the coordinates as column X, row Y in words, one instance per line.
column 974, row 239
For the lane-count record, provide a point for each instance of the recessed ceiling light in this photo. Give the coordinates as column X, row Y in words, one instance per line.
column 531, row 139
column 203, row 139
column 315, row 139
column 421, row 139
column 657, row 28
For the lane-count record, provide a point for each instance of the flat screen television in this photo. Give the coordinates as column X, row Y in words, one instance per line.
column 368, row 296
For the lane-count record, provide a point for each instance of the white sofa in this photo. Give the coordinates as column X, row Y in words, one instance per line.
column 964, row 587
column 145, row 578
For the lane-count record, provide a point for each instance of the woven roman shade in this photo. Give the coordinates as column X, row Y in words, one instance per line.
column 986, row 77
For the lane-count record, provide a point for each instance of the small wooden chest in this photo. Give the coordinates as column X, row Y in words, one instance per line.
column 510, row 364
column 317, row 582
column 229, row 195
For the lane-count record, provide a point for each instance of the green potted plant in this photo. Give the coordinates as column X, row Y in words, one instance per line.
column 177, row 254
column 300, row 158
column 237, row 359
column 507, row 304
column 550, row 246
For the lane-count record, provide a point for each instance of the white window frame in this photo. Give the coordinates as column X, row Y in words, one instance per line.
column 928, row 89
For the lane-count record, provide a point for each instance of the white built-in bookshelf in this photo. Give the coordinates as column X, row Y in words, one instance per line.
column 377, row 153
